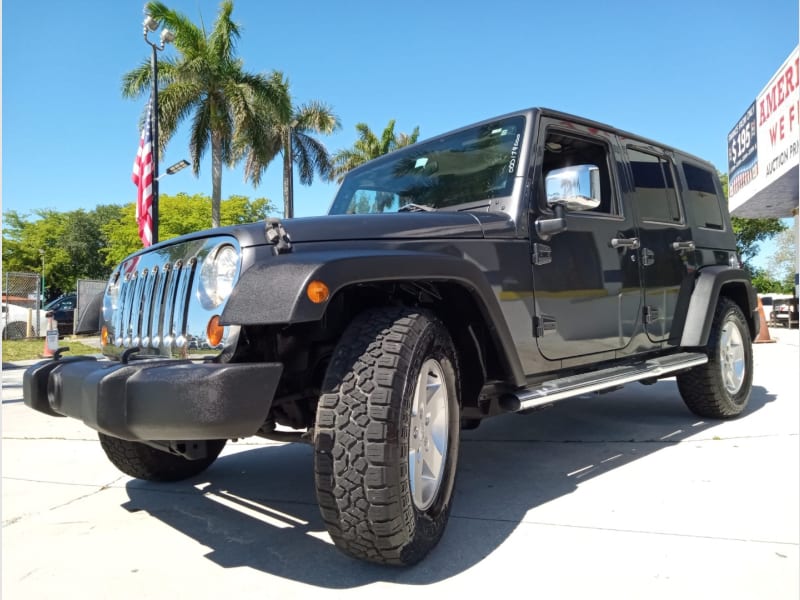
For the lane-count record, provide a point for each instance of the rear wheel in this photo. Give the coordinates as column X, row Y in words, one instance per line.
column 386, row 436
column 145, row 462
column 720, row 389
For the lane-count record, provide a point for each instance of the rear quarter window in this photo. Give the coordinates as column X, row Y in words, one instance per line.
column 702, row 201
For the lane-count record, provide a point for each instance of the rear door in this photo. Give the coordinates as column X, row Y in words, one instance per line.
column 666, row 247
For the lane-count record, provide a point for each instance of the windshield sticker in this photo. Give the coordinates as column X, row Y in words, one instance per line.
column 514, row 154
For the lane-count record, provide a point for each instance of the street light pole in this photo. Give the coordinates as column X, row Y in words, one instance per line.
column 41, row 253
column 150, row 24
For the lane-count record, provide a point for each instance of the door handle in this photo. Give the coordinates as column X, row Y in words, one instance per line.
column 632, row 243
column 680, row 246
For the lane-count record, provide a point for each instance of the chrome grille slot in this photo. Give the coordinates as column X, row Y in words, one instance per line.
column 126, row 288
column 133, row 333
column 181, row 307
column 165, row 320
column 147, row 307
column 157, row 317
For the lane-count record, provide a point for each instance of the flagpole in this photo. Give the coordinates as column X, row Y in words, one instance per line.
column 154, row 133
column 150, row 24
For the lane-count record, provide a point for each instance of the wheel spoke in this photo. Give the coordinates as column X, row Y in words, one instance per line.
column 428, row 434
column 732, row 357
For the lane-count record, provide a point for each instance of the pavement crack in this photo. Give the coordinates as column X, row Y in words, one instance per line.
column 624, row 530
column 102, row 488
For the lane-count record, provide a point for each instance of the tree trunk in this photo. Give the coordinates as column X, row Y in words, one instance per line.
column 288, row 183
column 216, row 179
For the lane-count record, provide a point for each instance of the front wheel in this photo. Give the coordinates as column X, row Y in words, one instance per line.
column 145, row 462
column 720, row 388
column 386, row 436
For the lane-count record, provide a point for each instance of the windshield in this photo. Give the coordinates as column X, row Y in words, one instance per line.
column 473, row 165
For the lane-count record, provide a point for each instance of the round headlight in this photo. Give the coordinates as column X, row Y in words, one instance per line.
column 217, row 276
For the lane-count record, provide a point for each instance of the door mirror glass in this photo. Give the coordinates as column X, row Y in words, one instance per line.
column 575, row 188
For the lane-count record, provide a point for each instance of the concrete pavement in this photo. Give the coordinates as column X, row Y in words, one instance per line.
column 623, row 495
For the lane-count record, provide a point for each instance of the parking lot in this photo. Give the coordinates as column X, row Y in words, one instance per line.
column 621, row 495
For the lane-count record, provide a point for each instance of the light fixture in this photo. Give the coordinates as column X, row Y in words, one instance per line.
column 167, row 37
column 182, row 164
column 150, row 23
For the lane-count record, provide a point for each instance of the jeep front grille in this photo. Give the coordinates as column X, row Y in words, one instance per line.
column 153, row 305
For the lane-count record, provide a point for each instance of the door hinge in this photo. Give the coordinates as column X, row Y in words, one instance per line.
column 650, row 314
column 542, row 324
column 648, row 257
column 542, row 254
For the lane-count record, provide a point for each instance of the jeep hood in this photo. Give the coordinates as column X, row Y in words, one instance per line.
column 333, row 228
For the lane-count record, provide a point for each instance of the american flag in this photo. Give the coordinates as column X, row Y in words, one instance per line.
column 143, row 178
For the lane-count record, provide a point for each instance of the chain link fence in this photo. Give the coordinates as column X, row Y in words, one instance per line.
column 23, row 316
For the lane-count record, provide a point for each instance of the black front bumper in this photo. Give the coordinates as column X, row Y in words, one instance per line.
column 155, row 399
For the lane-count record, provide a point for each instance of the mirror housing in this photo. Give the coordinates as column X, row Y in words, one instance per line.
column 575, row 188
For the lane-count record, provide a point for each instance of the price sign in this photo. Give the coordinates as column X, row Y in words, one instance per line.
column 742, row 142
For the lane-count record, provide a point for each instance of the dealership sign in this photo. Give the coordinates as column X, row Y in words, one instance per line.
column 765, row 143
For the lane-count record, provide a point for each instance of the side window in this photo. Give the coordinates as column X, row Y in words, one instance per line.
column 655, row 195
column 702, row 200
column 565, row 150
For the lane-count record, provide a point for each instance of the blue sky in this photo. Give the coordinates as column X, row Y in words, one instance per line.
column 681, row 72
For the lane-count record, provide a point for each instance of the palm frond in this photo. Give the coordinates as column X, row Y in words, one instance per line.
column 222, row 41
column 200, row 135
column 137, row 81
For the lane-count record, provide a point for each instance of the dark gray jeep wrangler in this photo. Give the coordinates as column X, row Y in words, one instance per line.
column 498, row 268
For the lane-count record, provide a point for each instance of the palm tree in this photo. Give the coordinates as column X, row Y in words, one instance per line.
column 290, row 137
column 207, row 81
column 368, row 146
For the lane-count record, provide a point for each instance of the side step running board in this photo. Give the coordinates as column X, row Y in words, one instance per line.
column 575, row 385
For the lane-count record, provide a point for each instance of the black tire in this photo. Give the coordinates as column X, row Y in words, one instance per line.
column 145, row 462
column 374, row 507
column 710, row 390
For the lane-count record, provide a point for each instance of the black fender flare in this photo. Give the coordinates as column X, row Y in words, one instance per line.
column 274, row 292
column 708, row 287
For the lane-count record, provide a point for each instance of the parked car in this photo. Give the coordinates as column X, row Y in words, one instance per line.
column 16, row 318
column 785, row 312
column 63, row 309
column 770, row 302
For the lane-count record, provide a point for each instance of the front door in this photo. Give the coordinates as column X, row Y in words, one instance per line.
column 586, row 277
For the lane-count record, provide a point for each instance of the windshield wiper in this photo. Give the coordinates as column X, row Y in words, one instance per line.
column 411, row 207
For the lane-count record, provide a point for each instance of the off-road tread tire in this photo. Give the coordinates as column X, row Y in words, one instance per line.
column 151, row 464
column 702, row 388
column 361, row 436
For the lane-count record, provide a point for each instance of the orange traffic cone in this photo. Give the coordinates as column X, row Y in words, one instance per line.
column 763, row 331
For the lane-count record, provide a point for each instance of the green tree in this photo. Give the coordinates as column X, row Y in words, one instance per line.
column 369, row 146
column 178, row 215
column 783, row 263
column 72, row 243
column 207, row 81
column 291, row 137
column 750, row 232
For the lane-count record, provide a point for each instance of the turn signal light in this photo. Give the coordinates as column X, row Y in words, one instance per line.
column 104, row 335
column 214, row 331
column 317, row 292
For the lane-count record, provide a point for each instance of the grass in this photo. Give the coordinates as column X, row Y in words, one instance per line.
column 32, row 349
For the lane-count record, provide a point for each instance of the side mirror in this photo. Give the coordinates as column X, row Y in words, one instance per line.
column 575, row 188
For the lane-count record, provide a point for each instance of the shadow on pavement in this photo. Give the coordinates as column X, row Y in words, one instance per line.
column 258, row 509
